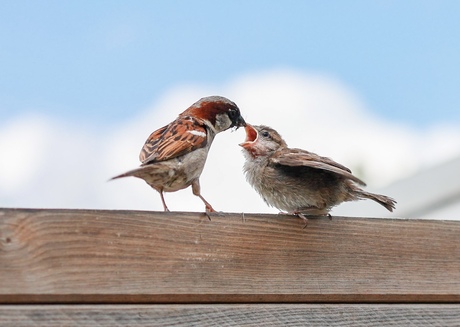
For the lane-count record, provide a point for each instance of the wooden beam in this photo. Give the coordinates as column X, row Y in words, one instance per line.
column 91, row 256
column 232, row 315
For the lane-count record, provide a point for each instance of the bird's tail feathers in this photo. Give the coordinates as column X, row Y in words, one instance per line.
column 386, row 201
column 138, row 172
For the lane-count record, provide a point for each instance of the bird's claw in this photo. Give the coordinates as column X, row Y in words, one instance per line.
column 301, row 215
column 209, row 210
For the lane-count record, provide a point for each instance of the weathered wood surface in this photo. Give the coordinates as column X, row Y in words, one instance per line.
column 231, row 315
column 88, row 256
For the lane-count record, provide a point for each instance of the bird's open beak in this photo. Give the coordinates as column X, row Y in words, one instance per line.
column 251, row 136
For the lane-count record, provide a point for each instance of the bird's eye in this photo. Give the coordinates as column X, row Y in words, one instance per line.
column 232, row 113
column 265, row 134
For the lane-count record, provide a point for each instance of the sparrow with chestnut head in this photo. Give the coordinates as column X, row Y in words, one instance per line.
column 174, row 156
column 297, row 181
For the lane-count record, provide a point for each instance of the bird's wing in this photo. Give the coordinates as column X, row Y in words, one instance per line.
column 182, row 136
column 298, row 158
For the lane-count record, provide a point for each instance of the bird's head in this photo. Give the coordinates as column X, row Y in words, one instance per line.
column 262, row 140
column 219, row 112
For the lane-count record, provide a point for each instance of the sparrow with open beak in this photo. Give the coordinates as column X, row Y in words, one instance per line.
column 297, row 181
column 174, row 156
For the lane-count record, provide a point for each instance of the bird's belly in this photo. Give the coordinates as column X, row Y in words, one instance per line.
column 175, row 180
column 290, row 201
column 179, row 173
column 296, row 192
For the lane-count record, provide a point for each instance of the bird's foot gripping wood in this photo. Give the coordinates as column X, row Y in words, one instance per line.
column 298, row 214
column 208, row 209
column 301, row 215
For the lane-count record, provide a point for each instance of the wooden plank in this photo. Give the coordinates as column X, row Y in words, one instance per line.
column 88, row 256
column 231, row 315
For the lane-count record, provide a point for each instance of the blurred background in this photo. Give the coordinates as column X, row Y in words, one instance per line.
column 375, row 85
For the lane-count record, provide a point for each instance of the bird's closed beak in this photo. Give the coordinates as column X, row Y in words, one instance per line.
column 240, row 122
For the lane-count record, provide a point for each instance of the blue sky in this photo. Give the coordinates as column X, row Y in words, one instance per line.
column 375, row 85
column 103, row 61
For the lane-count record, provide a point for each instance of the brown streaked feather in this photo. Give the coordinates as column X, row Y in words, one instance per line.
column 150, row 144
column 176, row 139
column 298, row 157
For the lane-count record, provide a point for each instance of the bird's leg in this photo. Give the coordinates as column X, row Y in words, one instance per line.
column 310, row 211
column 296, row 213
column 165, row 207
column 196, row 191
column 301, row 215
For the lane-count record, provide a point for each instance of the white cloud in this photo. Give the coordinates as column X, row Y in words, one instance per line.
column 45, row 163
column 22, row 142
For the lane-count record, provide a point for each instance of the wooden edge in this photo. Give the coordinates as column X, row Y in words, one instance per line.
column 224, row 298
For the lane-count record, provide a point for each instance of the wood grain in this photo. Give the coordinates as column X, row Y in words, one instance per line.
column 230, row 315
column 88, row 256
